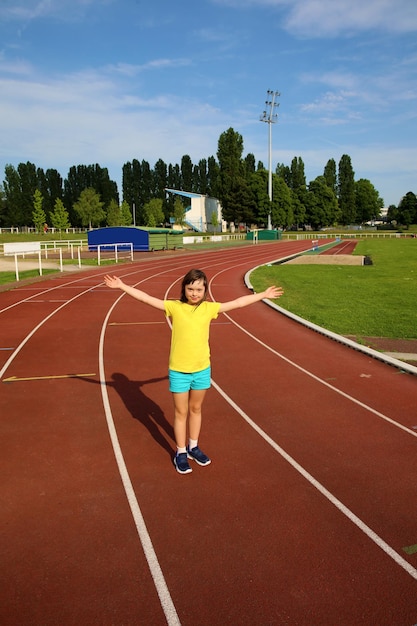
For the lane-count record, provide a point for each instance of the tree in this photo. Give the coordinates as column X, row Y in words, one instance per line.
column 297, row 184
column 298, row 179
column 2, row 205
column 147, row 184
column 125, row 214
column 131, row 185
column 322, row 206
column 346, row 191
column 214, row 221
column 60, row 217
column 186, row 173
column 282, row 213
column 179, row 213
column 284, row 172
column 299, row 209
column 113, row 214
column 174, row 177
column 89, row 208
column 392, row 214
column 160, row 179
column 154, row 214
column 368, row 204
column 19, row 186
column 50, row 185
column 407, row 209
column 231, row 180
column 15, row 214
column 330, row 175
column 249, row 164
column 28, row 185
column 173, row 182
column 241, row 203
column 203, row 186
column 38, row 214
column 213, row 174
column 259, row 185
column 118, row 215
column 83, row 177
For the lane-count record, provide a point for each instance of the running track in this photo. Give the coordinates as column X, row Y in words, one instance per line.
column 307, row 515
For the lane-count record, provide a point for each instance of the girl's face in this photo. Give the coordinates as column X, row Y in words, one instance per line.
column 195, row 292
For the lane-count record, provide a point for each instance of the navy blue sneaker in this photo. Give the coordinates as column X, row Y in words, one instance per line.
column 198, row 456
column 181, row 463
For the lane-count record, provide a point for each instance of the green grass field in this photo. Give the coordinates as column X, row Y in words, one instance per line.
column 11, row 238
column 10, row 277
column 378, row 300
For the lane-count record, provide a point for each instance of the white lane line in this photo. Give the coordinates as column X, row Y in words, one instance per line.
column 310, row 374
column 42, row 292
column 36, row 328
column 156, row 572
column 134, row 323
column 337, row 503
column 325, row 383
column 327, row 494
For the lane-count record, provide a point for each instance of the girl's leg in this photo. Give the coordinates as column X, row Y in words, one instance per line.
column 187, row 404
column 195, row 402
column 194, row 414
column 180, row 418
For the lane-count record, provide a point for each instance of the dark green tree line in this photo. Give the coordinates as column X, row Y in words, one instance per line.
column 235, row 179
column 406, row 212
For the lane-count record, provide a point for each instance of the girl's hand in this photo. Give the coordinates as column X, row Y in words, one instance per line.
column 113, row 281
column 274, row 292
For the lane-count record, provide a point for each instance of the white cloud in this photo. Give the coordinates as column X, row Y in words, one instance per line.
column 87, row 118
column 128, row 69
column 15, row 66
column 317, row 18
column 331, row 18
column 28, row 10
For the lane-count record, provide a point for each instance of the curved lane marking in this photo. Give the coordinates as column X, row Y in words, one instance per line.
column 161, row 586
column 325, row 492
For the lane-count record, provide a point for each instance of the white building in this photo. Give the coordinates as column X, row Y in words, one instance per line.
column 199, row 214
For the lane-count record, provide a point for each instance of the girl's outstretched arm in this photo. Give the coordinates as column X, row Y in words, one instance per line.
column 271, row 292
column 114, row 282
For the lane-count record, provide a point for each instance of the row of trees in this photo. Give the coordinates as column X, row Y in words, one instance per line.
column 89, row 209
column 88, row 197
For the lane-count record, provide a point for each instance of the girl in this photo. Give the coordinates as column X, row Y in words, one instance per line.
column 189, row 359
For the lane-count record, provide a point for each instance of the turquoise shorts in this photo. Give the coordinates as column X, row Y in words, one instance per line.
column 179, row 382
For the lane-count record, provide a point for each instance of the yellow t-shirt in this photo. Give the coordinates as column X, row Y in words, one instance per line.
column 190, row 350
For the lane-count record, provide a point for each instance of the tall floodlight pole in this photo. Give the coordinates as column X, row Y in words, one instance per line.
column 270, row 118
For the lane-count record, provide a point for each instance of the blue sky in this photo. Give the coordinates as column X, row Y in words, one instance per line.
column 107, row 81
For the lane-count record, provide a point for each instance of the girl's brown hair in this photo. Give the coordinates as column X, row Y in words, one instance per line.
column 191, row 277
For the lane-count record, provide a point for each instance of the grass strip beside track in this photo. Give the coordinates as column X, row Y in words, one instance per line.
column 378, row 300
column 10, row 277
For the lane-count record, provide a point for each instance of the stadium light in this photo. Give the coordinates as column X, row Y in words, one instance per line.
column 270, row 117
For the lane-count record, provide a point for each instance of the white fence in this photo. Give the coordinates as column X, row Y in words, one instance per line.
column 360, row 234
column 113, row 246
column 23, row 248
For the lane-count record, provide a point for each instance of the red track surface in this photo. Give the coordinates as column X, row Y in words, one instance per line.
column 307, row 515
column 344, row 247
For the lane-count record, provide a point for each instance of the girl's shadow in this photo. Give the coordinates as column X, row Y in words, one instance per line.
column 141, row 407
